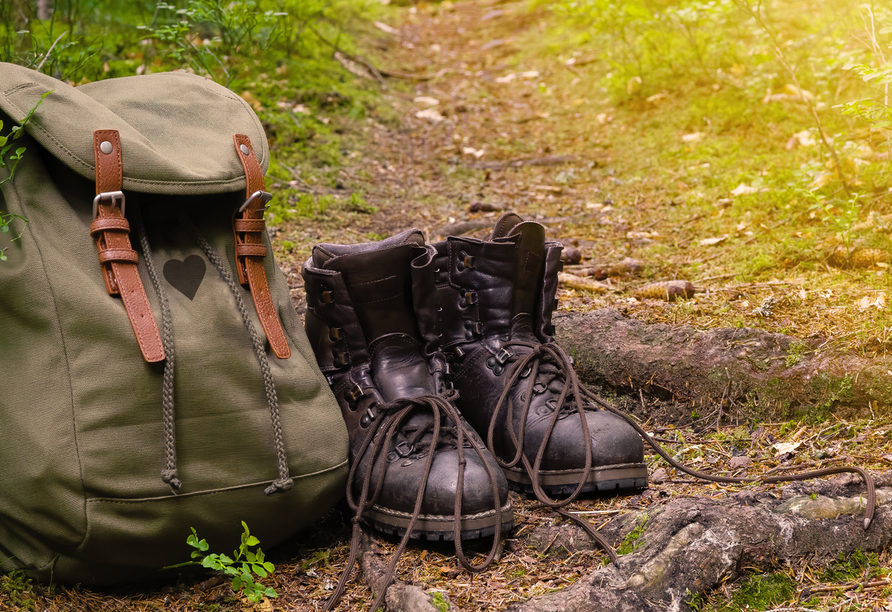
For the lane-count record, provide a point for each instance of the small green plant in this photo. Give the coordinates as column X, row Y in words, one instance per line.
column 17, row 589
column 9, row 162
column 242, row 567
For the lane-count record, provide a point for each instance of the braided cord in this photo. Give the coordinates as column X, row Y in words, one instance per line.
column 284, row 481
column 169, row 473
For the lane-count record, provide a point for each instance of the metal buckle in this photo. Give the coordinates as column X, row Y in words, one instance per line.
column 117, row 198
column 257, row 195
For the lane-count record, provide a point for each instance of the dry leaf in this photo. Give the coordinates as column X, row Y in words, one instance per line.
column 426, row 100
column 248, row 97
column 478, row 153
column 385, row 28
column 713, row 241
column 783, row 448
column 694, row 137
column 743, row 189
column 506, row 79
column 430, row 114
column 805, row 138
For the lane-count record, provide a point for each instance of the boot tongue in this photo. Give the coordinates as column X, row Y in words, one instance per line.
column 528, row 238
column 324, row 253
column 504, row 225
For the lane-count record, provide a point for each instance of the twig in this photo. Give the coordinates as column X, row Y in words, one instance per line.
column 46, row 55
column 782, row 59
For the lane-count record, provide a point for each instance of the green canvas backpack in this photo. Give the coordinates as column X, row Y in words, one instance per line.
column 153, row 373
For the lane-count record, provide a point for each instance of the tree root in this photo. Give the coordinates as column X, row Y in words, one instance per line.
column 692, row 545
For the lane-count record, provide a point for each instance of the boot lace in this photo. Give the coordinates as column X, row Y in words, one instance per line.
column 435, row 435
column 548, row 364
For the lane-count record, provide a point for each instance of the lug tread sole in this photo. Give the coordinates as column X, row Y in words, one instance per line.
column 434, row 528
column 604, row 479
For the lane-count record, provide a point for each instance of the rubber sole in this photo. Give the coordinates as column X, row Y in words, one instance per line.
column 439, row 527
column 603, row 479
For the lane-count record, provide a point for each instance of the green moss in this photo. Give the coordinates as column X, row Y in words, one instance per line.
column 439, row 601
column 796, row 351
column 630, row 543
column 763, row 592
column 856, row 566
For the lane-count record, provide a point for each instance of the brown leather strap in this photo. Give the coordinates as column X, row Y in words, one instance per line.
column 250, row 249
column 111, row 231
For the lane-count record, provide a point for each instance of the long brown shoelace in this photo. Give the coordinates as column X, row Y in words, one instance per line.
column 558, row 364
column 391, row 418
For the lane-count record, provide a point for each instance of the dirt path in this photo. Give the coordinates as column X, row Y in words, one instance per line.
column 482, row 138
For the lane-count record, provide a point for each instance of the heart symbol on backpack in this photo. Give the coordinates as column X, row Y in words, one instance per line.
column 185, row 276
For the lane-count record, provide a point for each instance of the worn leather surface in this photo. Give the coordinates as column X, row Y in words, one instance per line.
column 513, row 278
column 361, row 322
column 250, row 249
column 111, row 230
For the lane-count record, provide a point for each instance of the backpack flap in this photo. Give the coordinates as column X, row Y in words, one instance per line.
column 189, row 152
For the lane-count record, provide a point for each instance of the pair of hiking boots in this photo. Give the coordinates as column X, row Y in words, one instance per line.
column 428, row 347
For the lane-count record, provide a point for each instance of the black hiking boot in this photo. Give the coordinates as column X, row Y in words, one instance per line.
column 515, row 385
column 417, row 468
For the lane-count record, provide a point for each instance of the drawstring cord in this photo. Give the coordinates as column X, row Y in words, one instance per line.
column 284, row 480
column 169, row 473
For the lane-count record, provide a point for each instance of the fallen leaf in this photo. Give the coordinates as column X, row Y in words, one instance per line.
column 529, row 74
column 693, row 137
column 506, row 79
column 743, row 189
column 248, row 97
column 300, row 108
column 736, row 463
column 385, row 28
column 494, row 43
column 713, row 241
column 783, row 448
column 805, row 138
column 430, row 114
column 478, row 153
column 426, row 100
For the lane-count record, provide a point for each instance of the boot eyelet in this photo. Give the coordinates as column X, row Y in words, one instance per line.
column 335, row 333
column 470, row 298
column 355, row 393
column 539, row 388
column 327, row 296
column 341, row 358
column 503, row 356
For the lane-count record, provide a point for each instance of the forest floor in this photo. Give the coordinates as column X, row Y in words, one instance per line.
column 487, row 115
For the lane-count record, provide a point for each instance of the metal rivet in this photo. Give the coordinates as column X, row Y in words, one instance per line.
column 106, row 147
column 244, row 149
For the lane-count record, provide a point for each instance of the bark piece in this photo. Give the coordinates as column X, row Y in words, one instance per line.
column 692, row 545
column 779, row 374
